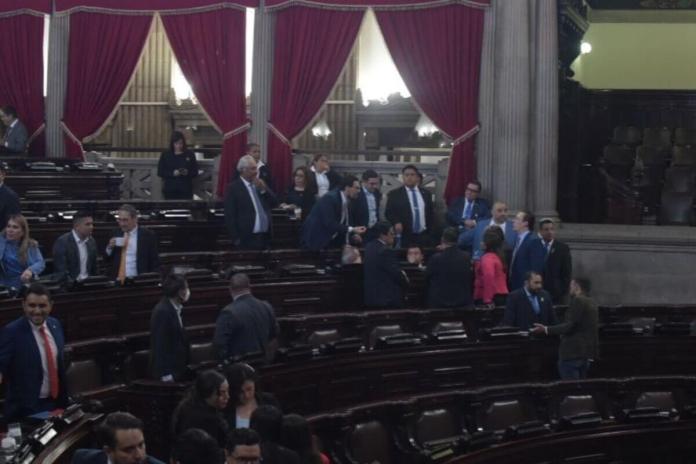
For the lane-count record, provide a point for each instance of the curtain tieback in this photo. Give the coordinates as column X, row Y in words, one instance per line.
column 466, row 135
column 237, row 131
column 279, row 134
column 36, row 133
column 73, row 137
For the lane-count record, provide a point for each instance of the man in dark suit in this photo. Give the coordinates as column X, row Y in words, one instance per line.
column 248, row 204
column 558, row 264
column 242, row 446
column 470, row 240
column 9, row 200
column 16, row 137
column 132, row 250
column 124, row 443
column 579, row 340
column 410, row 209
column 467, row 211
column 169, row 345
column 267, row 421
column 324, row 178
column 527, row 255
column 366, row 205
column 31, row 358
column 529, row 305
column 383, row 279
column 329, row 222
column 449, row 274
column 246, row 325
column 75, row 252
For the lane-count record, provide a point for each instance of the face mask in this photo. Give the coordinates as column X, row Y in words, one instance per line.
column 186, row 296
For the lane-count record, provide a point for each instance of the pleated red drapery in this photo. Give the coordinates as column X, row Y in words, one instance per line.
column 438, row 54
column 21, row 81
column 311, row 48
column 104, row 50
column 209, row 47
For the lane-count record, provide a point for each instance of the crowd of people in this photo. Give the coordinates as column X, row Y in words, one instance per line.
column 483, row 257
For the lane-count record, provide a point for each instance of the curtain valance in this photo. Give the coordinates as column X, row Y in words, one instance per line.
column 17, row 7
column 149, row 6
column 376, row 4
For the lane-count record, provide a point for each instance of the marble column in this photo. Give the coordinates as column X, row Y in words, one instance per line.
column 512, row 103
column 262, row 77
column 544, row 151
column 485, row 141
column 59, row 36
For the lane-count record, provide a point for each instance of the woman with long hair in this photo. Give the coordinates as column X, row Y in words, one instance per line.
column 490, row 285
column 244, row 396
column 20, row 257
column 202, row 407
column 302, row 193
column 177, row 167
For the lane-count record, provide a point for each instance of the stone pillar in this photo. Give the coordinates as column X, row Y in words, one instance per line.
column 544, row 153
column 59, row 37
column 512, row 99
column 485, row 142
column 262, row 76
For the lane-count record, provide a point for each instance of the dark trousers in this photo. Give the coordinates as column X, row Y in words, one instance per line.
column 573, row 369
column 255, row 242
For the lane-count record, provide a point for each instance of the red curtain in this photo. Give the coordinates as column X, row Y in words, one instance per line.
column 210, row 50
column 438, row 53
column 311, row 48
column 21, row 82
column 103, row 53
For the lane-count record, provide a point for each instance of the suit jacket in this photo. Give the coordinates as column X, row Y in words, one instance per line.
column 16, row 138
column 240, row 213
column 470, row 239
column 324, row 221
column 169, row 344
column 480, row 211
column 449, row 279
column 360, row 209
column 578, row 331
column 9, row 204
column 245, row 326
column 519, row 311
column 95, row 456
column 147, row 258
column 529, row 257
column 66, row 257
column 20, row 365
column 399, row 211
column 558, row 269
column 382, row 277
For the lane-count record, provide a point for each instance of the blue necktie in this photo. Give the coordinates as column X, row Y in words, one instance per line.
column 467, row 210
column 535, row 304
column 416, row 212
column 263, row 218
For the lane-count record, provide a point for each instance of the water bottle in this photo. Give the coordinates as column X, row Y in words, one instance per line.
column 8, row 446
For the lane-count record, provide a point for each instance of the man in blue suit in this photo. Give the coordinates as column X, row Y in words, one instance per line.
column 366, row 205
column 124, row 443
column 329, row 222
column 470, row 240
column 529, row 305
column 31, row 358
column 467, row 211
column 16, row 136
column 527, row 254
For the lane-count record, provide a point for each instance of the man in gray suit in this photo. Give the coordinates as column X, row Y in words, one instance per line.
column 246, row 325
column 579, row 340
column 15, row 139
column 75, row 252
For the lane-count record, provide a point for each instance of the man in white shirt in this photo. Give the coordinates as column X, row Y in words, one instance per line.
column 132, row 249
column 326, row 179
column 75, row 252
column 410, row 210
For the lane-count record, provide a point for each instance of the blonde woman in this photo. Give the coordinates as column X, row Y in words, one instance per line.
column 20, row 257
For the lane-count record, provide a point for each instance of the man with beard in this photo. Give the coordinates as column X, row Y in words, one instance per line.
column 529, row 305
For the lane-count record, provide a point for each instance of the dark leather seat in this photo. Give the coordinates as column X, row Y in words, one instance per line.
column 384, row 331
column 436, row 425
column 448, row 326
column 201, row 352
column 502, row 414
column 323, row 337
column 676, row 208
column 137, row 365
column 684, row 137
column 369, row 442
column 662, row 400
column 683, row 156
column 626, row 135
column 658, row 137
column 572, row 405
column 618, row 161
column 679, row 179
column 83, row 376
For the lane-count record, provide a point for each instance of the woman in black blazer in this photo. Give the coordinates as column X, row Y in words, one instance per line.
column 177, row 167
column 303, row 192
column 244, row 397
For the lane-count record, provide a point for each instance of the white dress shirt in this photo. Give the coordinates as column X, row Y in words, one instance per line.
column 177, row 307
column 9, row 129
column 45, row 390
column 132, row 253
column 82, row 251
column 322, row 182
column 257, row 221
column 421, row 208
column 502, row 226
column 371, row 207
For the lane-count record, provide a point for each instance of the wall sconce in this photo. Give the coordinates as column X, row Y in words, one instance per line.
column 425, row 127
column 321, row 129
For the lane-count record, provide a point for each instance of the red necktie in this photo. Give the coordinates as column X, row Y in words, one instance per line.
column 51, row 362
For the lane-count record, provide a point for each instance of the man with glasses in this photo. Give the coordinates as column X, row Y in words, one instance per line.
column 243, row 446
column 466, row 211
